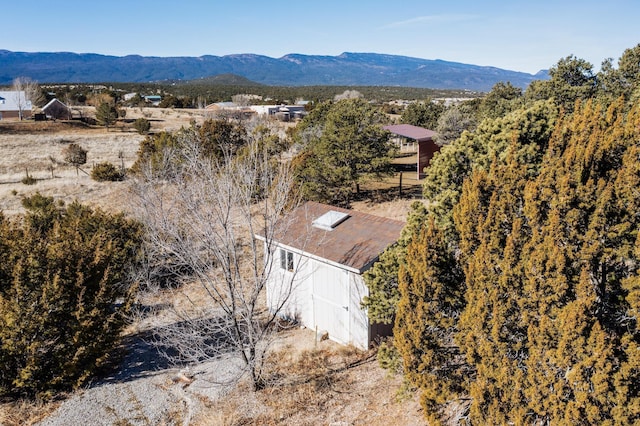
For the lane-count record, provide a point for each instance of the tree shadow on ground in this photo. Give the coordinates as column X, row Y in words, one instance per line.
column 388, row 194
column 148, row 353
column 136, row 357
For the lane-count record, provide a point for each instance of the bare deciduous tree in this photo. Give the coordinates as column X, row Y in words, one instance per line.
column 201, row 222
column 452, row 123
column 75, row 155
column 27, row 93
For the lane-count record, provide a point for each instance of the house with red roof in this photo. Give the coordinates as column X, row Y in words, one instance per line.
column 318, row 264
column 409, row 138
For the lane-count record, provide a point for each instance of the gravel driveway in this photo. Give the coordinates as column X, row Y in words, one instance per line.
column 145, row 390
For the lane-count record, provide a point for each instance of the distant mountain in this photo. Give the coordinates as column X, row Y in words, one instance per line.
column 347, row 69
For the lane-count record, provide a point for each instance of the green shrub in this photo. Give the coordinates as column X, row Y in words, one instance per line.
column 106, row 172
column 389, row 358
column 142, row 125
column 29, row 180
column 65, row 294
column 74, row 154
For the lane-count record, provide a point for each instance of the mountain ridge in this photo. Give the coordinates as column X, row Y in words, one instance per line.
column 294, row 69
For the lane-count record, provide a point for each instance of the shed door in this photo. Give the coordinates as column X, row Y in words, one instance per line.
column 331, row 301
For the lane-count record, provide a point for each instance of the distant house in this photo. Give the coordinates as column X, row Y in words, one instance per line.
column 325, row 250
column 410, row 138
column 153, row 99
column 56, row 110
column 281, row 112
column 219, row 106
column 230, row 109
column 14, row 105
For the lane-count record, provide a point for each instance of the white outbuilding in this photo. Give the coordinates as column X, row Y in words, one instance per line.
column 323, row 252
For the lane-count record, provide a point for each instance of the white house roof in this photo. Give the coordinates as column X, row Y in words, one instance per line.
column 222, row 105
column 53, row 101
column 10, row 101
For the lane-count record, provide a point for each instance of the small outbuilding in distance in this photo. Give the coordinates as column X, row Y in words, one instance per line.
column 409, row 138
column 56, row 110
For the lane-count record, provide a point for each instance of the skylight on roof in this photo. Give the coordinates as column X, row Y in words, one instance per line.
column 330, row 220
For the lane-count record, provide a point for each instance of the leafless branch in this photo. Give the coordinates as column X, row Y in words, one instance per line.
column 201, row 219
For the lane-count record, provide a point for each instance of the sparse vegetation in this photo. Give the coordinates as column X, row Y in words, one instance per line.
column 75, row 155
column 312, row 383
column 29, row 180
column 37, row 146
column 106, row 172
column 142, row 125
column 26, row 412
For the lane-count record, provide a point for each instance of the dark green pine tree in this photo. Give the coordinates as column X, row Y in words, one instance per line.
column 106, row 114
column 342, row 149
column 528, row 128
column 423, row 114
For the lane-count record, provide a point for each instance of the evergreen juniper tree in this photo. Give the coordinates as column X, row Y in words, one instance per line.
column 65, row 291
column 431, row 298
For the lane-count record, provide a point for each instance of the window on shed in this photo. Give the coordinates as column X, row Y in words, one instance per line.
column 286, row 260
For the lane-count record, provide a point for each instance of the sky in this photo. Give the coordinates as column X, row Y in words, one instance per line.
column 516, row 35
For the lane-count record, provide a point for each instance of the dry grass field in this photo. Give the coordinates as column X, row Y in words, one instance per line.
column 34, row 148
column 323, row 383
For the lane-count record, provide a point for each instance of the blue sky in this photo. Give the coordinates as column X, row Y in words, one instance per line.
column 516, row 35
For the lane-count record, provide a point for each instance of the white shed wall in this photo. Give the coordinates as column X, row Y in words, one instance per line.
column 323, row 297
column 290, row 289
column 359, row 320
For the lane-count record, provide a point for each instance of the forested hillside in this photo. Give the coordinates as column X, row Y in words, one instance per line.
column 517, row 289
column 347, row 69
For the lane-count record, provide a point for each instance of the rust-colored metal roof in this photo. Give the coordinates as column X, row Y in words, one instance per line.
column 355, row 242
column 412, row 132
